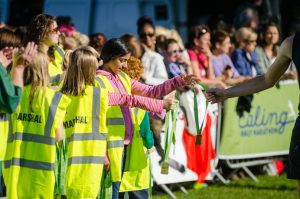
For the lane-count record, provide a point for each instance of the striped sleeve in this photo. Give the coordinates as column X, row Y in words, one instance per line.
column 149, row 104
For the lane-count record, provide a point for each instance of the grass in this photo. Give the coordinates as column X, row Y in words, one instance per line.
column 273, row 187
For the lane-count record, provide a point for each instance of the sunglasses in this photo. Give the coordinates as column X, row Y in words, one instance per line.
column 144, row 35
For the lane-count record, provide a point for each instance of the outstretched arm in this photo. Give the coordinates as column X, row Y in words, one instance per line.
column 258, row 83
column 149, row 104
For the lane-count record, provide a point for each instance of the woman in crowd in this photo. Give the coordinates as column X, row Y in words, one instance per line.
column 154, row 68
column 244, row 57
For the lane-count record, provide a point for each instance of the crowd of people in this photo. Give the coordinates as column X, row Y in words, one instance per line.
column 78, row 113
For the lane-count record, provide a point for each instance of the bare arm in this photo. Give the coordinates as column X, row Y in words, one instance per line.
column 258, row 83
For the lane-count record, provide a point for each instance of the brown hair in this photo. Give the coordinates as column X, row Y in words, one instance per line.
column 196, row 32
column 218, row 37
column 9, row 38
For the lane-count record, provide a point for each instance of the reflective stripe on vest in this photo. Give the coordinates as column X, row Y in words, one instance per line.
column 28, row 164
column 30, row 137
column 115, row 121
column 55, row 79
column 51, row 113
column 100, row 81
column 87, row 136
column 86, row 160
column 115, row 143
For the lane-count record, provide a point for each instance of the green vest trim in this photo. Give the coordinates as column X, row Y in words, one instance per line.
column 115, row 143
column 115, row 121
column 87, row 136
column 29, row 164
column 86, row 160
column 51, row 113
column 29, row 137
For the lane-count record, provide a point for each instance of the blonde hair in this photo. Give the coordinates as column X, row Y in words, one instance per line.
column 81, row 71
column 245, row 34
column 134, row 68
column 36, row 75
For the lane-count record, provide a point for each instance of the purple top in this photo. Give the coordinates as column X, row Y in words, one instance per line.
column 220, row 62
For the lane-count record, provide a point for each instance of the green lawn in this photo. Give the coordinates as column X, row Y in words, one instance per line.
column 273, row 187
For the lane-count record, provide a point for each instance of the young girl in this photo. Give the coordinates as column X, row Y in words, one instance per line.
column 43, row 30
column 115, row 54
column 36, row 127
column 85, row 122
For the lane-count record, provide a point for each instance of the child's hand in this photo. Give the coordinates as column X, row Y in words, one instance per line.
column 170, row 103
column 151, row 150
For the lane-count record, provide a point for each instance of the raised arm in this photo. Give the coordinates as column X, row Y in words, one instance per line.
column 258, row 83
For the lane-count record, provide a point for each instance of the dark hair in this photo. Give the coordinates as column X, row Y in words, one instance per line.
column 168, row 42
column 9, row 38
column 134, row 45
column 114, row 48
column 38, row 27
column 263, row 30
column 97, row 43
column 142, row 21
column 196, row 32
column 218, row 37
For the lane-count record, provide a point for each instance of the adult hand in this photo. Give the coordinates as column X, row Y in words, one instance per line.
column 151, row 150
column 215, row 95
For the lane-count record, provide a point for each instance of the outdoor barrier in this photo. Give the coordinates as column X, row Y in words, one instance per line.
column 266, row 130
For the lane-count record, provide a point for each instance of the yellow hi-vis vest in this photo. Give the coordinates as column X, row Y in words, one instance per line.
column 4, row 125
column 55, row 67
column 115, row 128
column 85, row 127
column 30, row 154
column 137, row 180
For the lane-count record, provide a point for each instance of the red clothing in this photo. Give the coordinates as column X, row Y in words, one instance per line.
column 199, row 157
column 200, row 59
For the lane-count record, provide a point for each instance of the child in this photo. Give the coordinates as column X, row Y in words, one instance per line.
column 85, row 122
column 36, row 128
column 115, row 55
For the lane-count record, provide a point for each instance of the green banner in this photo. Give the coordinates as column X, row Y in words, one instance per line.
column 266, row 130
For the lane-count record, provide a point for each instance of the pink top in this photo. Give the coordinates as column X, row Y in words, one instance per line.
column 200, row 59
column 138, row 88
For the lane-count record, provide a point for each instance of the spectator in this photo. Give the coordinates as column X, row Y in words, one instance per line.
column 244, row 57
column 268, row 45
column 200, row 55
column 97, row 41
column 223, row 66
column 154, row 68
